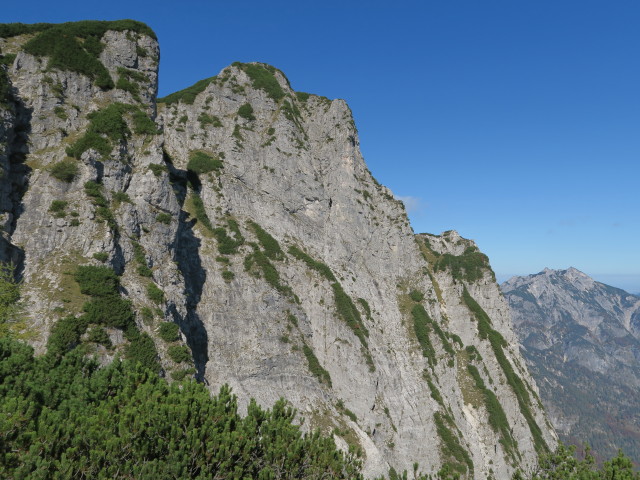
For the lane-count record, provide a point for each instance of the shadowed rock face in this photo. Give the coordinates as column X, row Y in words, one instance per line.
column 290, row 270
column 581, row 341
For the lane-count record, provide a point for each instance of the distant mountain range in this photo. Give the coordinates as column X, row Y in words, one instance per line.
column 581, row 342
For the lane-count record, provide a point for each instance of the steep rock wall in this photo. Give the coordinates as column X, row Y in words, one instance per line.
column 289, row 269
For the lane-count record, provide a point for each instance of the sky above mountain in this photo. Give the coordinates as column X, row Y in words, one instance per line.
column 515, row 123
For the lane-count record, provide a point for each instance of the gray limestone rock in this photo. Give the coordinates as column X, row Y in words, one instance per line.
column 291, row 271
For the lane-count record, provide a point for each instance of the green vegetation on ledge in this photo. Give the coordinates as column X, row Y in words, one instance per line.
column 422, row 324
column 169, row 331
column 229, row 244
column 269, row 244
column 497, row 343
column 201, row 162
column 107, row 308
column 344, row 305
column 130, row 80
column 459, row 460
column 179, row 353
column 257, row 263
column 82, row 29
column 65, row 171
column 497, row 417
column 94, row 190
column 200, row 212
column 73, row 46
column 263, row 78
column 187, row 95
column 141, row 259
column 468, row 267
column 314, row 365
column 206, row 119
column 302, row 96
column 108, row 127
column 421, row 327
column 246, row 112
column 155, row 294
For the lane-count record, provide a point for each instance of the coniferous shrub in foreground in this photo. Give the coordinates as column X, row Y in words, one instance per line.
column 63, row 417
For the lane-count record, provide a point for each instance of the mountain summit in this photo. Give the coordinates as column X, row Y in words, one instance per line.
column 581, row 341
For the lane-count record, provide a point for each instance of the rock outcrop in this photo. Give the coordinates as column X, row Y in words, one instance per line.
column 290, row 270
column 581, row 341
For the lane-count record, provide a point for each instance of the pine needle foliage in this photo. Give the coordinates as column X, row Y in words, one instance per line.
column 130, row 80
column 155, row 294
column 206, row 119
column 246, row 111
column 98, row 335
column 303, row 96
column 565, row 464
column 10, row 311
column 421, row 316
column 227, row 245
column 107, row 308
column 97, row 281
column 319, row 267
column 82, row 421
column 169, row 331
column 179, row 353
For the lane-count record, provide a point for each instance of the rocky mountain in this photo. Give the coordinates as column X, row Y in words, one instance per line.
column 581, row 342
column 243, row 212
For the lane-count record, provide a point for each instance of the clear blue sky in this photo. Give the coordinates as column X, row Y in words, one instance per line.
column 516, row 123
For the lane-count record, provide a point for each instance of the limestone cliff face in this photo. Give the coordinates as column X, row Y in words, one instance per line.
column 49, row 110
column 290, row 271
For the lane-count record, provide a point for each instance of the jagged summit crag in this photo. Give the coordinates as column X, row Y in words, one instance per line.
column 581, row 340
column 243, row 211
